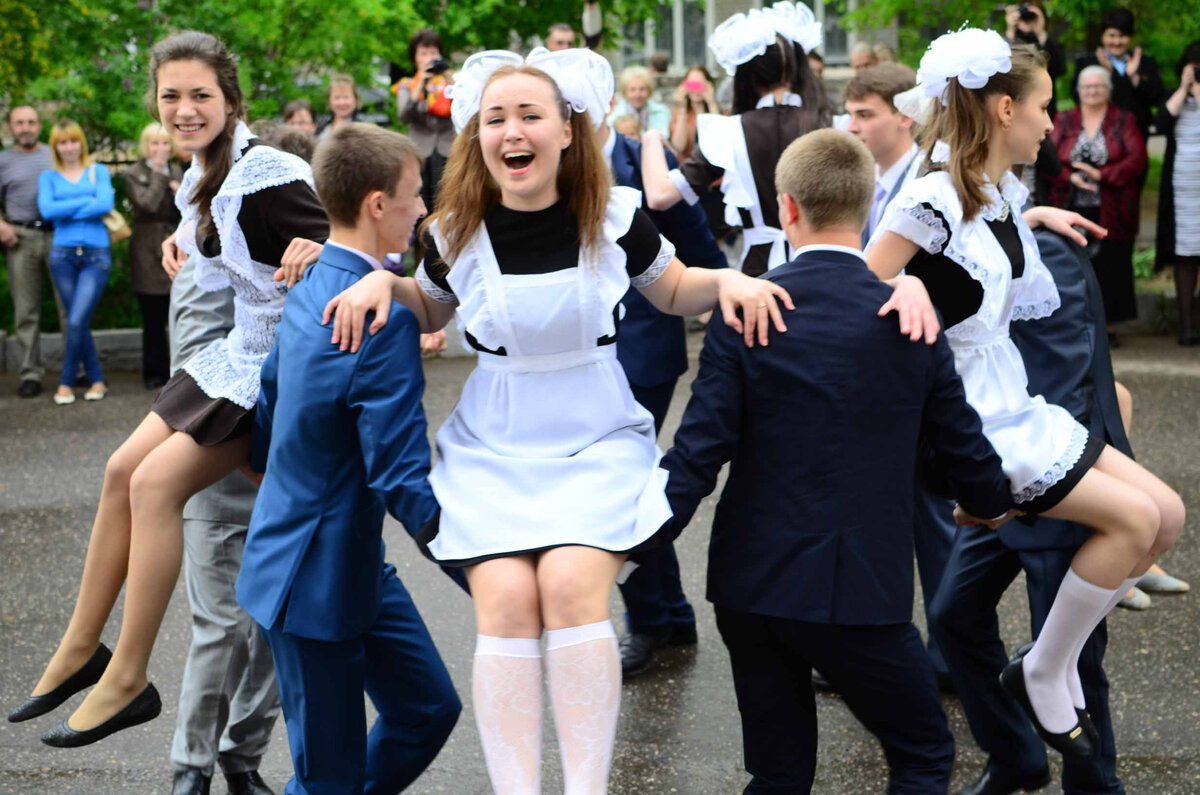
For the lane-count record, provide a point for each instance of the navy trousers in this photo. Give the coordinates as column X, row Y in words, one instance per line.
column 964, row 620
column 321, row 687
column 933, row 537
column 881, row 672
column 653, row 594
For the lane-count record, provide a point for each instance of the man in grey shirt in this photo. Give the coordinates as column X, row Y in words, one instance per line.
column 230, row 675
column 26, row 239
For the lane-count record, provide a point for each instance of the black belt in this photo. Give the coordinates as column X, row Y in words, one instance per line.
column 44, row 226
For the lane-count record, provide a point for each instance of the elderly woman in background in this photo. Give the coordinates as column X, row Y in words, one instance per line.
column 1179, row 232
column 1104, row 159
column 636, row 85
column 75, row 196
column 150, row 184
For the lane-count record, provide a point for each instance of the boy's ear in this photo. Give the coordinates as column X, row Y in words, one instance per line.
column 372, row 205
column 789, row 210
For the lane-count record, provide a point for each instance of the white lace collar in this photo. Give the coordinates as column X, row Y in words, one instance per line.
column 241, row 138
column 768, row 101
column 1011, row 192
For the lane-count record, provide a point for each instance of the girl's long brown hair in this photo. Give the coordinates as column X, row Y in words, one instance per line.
column 964, row 125
column 468, row 192
column 218, row 155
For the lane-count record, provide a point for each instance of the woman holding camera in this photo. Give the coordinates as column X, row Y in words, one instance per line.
column 422, row 104
column 1026, row 24
column 695, row 95
column 1104, row 157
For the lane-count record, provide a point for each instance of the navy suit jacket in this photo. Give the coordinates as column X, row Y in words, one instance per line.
column 821, row 427
column 343, row 438
column 1067, row 359
column 652, row 346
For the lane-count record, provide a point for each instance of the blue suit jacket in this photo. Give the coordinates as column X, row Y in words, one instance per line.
column 652, row 346
column 821, row 427
column 1067, row 359
column 342, row 437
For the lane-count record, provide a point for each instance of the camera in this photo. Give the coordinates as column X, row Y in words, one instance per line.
column 1026, row 14
column 437, row 66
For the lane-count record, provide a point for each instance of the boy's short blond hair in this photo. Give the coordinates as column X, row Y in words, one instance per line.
column 831, row 175
column 355, row 160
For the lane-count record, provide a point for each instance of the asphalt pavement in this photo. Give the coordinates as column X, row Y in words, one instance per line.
column 679, row 730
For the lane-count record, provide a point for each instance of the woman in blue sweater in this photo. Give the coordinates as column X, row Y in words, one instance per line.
column 75, row 196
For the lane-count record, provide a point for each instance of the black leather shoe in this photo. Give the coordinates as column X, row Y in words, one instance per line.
column 945, row 683
column 683, row 635
column 1074, row 742
column 637, row 651
column 29, row 388
column 85, row 677
column 820, row 683
column 248, row 783
column 995, row 783
column 144, row 707
column 1085, row 720
column 191, row 781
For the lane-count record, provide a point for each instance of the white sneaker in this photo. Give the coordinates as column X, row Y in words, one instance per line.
column 64, row 400
column 93, row 395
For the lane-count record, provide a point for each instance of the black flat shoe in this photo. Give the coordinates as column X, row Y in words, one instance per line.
column 998, row 783
column 637, row 651
column 820, row 683
column 683, row 635
column 1089, row 728
column 191, row 781
column 1074, row 742
column 144, row 707
column 85, row 677
column 248, row 783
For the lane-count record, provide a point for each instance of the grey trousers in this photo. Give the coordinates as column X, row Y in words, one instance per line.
column 228, row 703
column 27, row 261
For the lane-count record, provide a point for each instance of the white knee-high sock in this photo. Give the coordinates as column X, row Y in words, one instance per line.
column 584, row 670
column 1072, row 618
column 506, row 686
column 1073, row 683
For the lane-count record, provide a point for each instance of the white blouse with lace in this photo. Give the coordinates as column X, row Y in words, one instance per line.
column 229, row 368
column 1038, row 442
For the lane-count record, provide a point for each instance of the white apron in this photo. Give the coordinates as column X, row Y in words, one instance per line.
column 547, row 446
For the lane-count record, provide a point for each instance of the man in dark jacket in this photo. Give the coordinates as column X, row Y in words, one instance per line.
column 1137, row 82
column 812, row 543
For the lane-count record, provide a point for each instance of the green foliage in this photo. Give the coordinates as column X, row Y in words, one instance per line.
column 1165, row 27
column 87, row 59
column 1143, row 263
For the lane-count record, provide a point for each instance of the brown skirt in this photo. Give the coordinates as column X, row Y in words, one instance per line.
column 183, row 405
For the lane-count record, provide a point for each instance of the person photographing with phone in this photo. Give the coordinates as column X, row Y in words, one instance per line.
column 422, row 104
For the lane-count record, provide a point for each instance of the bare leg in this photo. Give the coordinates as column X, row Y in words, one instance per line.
column 1124, row 405
column 107, row 556
column 165, row 480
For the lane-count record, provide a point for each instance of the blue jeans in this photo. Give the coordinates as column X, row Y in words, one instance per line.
column 80, row 273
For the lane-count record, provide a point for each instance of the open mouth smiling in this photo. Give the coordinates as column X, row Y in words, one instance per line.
column 518, row 161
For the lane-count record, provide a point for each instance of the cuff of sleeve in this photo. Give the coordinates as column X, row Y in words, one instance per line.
column 430, row 289
column 666, row 254
column 919, row 225
column 683, row 186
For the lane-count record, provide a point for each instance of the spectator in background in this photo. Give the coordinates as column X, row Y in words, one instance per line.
column 561, row 36
column 292, row 140
column 862, row 56
column 299, row 114
column 151, row 184
column 1104, row 159
column 635, row 86
column 25, row 236
column 343, row 104
column 628, row 125
column 75, row 196
column 1026, row 24
column 695, row 95
column 422, row 104
column 1178, row 235
column 884, row 54
column 659, row 64
column 817, row 64
column 1136, row 82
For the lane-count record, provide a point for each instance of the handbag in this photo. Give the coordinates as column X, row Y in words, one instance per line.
column 114, row 222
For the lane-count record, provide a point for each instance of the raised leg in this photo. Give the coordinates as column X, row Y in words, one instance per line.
column 162, row 483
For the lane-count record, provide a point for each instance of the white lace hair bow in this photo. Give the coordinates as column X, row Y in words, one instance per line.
column 969, row 55
column 585, row 84
column 584, row 77
column 797, row 23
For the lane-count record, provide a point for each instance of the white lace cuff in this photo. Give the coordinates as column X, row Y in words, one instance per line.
column 921, row 225
column 666, row 253
column 431, row 289
column 683, row 186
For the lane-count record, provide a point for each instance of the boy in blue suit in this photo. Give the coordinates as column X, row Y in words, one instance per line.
column 811, row 550
column 343, row 439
